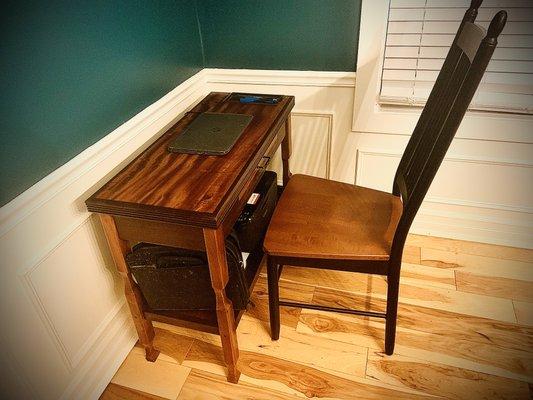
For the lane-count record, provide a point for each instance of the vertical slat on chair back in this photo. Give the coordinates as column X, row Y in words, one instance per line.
column 454, row 88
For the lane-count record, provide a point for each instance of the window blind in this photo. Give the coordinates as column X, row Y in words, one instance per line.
column 420, row 33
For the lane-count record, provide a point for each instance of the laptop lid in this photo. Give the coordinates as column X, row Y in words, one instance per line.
column 211, row 134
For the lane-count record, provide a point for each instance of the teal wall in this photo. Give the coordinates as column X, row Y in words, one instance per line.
column 72, row 71
column 280, row 34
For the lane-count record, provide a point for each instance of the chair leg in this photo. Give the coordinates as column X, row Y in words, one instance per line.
column 273, row 297
column 392, row 313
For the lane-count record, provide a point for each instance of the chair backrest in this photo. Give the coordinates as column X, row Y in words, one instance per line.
column 454, row 88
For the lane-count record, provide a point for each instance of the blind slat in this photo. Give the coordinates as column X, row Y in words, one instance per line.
column 419, row 34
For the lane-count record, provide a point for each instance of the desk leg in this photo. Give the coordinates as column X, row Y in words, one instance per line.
column 286, row 148
column 119, row 249
column 218, row 268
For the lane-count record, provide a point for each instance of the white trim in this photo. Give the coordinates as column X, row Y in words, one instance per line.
column 461, row 227
column 26, row 280
column 462, row 159
column 71, row 360
column 23, row 205
column 479, row 221
column 370, row 117
column 280, row 78
column 330, row 116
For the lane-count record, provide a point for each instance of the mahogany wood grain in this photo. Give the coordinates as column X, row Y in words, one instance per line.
column 137, row 230
column 193, row 189
column 318, row 218
column 218, row 269
column 209, row 102
column 119, row 249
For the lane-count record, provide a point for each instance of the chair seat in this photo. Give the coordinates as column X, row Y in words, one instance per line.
column 319, row 218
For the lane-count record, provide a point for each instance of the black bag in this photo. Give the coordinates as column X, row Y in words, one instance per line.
column 177, row 279
column 253, row 222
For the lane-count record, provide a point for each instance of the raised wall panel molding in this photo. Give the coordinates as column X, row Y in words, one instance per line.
column 45, row 319
column 448, row 200
column 328, row 134
column 468, row 219
column 71, row 359
column 316, row 158
column 95, row 372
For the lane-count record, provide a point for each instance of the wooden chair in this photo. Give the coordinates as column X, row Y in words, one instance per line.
column 325, row 224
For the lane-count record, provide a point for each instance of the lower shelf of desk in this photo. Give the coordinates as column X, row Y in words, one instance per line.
column 206, row 320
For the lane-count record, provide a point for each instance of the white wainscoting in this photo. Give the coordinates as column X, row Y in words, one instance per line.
column 471, row 198
column 64, row 317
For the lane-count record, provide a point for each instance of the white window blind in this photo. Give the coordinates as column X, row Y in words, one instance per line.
column 420, row 33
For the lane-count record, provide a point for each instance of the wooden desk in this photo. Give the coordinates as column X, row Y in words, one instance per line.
column 191, row 201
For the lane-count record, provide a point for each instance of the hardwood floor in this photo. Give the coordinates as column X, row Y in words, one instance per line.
column 465, row 331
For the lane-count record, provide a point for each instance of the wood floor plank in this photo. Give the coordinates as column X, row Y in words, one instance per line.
column 161, row 378
column 496, row 286
column 421, row 345
column 279, row 374
column 201, row 385
column 427, row 275
column 170, row 346
column 478, row 264
column 466, row 247
column 472, row 343
column 443, row 380
column 461, row 327
column 258, row 307
column 308, row 350
column 411, row 254
column 430, row 276
column 117, row 392
column 524, row 312
column 412, row 291
column 254, row 336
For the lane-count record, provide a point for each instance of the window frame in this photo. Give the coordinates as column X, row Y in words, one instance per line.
column 370, row 116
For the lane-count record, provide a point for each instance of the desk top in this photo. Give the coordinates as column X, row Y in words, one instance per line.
column 187, row 188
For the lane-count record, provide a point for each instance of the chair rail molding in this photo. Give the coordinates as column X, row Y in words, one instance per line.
column 143, row 126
